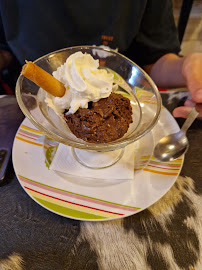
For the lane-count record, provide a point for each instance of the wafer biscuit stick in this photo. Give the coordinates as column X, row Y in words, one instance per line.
column 43, row 79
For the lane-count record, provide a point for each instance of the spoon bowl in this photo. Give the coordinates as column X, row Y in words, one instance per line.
column 171, row 147
column 174, row 145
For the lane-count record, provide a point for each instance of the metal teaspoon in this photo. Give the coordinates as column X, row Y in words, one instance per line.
column 174, row 145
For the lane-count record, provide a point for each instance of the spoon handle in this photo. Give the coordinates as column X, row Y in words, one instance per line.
column 190, row 119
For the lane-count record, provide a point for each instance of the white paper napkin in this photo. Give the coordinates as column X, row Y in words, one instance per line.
column 64, row 161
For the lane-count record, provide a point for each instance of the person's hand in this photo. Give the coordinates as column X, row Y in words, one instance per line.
column 192, row 72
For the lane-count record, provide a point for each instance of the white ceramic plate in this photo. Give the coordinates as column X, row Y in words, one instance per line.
column 88, row 199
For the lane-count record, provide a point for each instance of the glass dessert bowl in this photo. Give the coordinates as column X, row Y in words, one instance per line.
column 132, row 83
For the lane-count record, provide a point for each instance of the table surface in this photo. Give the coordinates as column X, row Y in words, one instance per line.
column 167, row 235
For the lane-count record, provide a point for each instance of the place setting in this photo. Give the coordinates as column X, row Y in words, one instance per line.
column 80, row 178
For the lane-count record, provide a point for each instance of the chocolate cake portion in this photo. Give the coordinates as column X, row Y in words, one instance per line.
column 104, row 121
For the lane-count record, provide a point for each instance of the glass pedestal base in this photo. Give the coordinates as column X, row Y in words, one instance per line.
column 97, row 160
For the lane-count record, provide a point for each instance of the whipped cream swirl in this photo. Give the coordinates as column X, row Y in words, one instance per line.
column 84, row 82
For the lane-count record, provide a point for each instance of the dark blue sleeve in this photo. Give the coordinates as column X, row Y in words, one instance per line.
column 3, row 43
column 157, row 34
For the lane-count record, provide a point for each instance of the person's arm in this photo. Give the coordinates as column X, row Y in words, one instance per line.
column 172, row 71
column 156, row 49
column 167, row 71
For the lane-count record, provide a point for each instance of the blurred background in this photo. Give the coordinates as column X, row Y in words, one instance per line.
column 192, row 39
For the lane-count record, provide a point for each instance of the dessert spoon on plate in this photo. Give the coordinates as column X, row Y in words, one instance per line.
column 174, row 145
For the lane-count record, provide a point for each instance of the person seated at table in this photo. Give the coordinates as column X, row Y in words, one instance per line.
column 142, row 30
